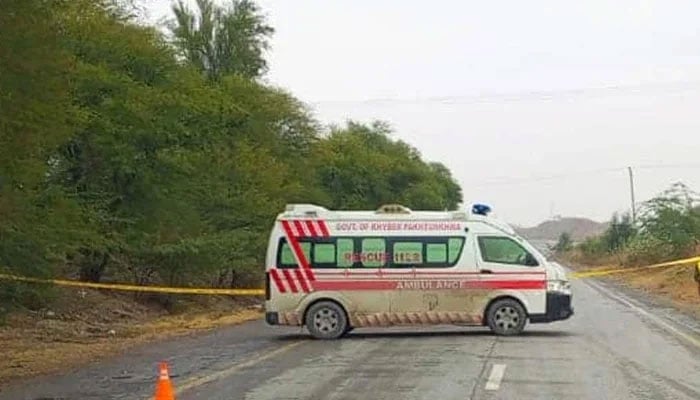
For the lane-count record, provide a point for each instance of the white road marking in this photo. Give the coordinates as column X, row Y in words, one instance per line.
column 660, row 322
column 497, row 372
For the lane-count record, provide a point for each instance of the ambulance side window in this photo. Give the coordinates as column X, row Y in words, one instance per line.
column 285, row 255
column 373, row 252
column 455, row 246
column 425, row 251
column 436, row 253
column 324, row 253
column 408, row 253
column 345, row 251
column 504, row 250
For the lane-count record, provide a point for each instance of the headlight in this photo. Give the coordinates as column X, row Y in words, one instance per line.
column 559, row 286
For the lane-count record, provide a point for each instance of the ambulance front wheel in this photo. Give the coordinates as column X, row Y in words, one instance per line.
column 506, row 317
column 326, row 320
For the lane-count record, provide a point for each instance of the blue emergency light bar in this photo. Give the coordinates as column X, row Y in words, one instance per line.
column 481, row 209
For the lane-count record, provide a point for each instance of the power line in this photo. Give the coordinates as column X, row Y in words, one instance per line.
column 668, row 87
column 516, row 181
column 678, row 165
column 500, row 182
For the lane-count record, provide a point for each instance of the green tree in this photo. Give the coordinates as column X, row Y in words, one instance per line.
column 361, row 167
column 672, row 220
column 178, row 174
column 220, row 41
column 592, row 247
column 39, row 220
column 668, row 227
column 564, row 243
column 619, row 233
column 118, row 161
column 116, row 164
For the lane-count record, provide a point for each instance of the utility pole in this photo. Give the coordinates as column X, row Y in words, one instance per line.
column 634, row 208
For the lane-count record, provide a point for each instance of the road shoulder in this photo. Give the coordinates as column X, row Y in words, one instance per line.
column 87, row 326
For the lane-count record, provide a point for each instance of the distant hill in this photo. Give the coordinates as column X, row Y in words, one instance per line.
column 578, row 228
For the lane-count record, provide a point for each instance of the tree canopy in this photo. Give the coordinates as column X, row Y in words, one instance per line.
column 128, row 155
column 222, row 40
column 564, row 243
column 668, row 227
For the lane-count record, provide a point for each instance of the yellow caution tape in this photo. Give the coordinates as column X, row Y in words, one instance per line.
column 587, row 274
column 260, row 292
column 137, row 288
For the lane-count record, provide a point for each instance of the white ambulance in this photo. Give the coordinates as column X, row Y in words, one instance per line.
column 333, row 271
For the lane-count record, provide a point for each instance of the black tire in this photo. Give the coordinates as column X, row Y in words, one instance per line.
column 506, row 317
column 326, row 320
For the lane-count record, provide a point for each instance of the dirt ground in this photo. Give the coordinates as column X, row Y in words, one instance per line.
column 674, row 285
column 87, row 325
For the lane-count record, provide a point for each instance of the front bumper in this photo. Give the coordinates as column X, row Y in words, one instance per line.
column 558, row 308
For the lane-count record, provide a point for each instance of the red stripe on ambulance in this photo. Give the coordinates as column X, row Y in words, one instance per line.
column 353, row 272
column 290, row 229
column 302, row 281
column 311, row 227
column 506, row 284
column 427, row 284
column 290, row 280
column 292, row 234
column 354, row 285
column 301, row 257
column 278, row 282
column 300, row 229
column 324, row 228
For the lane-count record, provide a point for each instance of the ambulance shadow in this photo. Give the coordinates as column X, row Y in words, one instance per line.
column 416, row 334
column 450, row 333
column 547, row 334
column 361, row 334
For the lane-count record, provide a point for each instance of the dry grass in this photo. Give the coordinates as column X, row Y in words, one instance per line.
column 675, row 284
column 89, row 325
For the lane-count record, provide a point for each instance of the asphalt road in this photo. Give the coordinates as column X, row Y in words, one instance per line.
column 615, row 347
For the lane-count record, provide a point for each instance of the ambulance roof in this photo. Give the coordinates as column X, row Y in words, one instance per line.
column 388, row 212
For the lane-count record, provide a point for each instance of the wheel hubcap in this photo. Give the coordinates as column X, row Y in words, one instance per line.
column 507, row 318
column 326, row 320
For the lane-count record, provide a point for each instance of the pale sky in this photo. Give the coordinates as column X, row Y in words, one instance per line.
column 537, row 107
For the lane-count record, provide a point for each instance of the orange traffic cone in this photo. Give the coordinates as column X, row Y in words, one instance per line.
column 164, row 388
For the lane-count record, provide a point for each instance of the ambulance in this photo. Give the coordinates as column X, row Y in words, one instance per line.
column 333, row 271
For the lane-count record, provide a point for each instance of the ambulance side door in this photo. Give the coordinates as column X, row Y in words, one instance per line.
column 431, row 270
column 506, row 267
column 464, row 296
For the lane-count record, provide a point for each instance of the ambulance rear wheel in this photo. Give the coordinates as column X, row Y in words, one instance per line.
column 326, row 320
column 506, row 317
